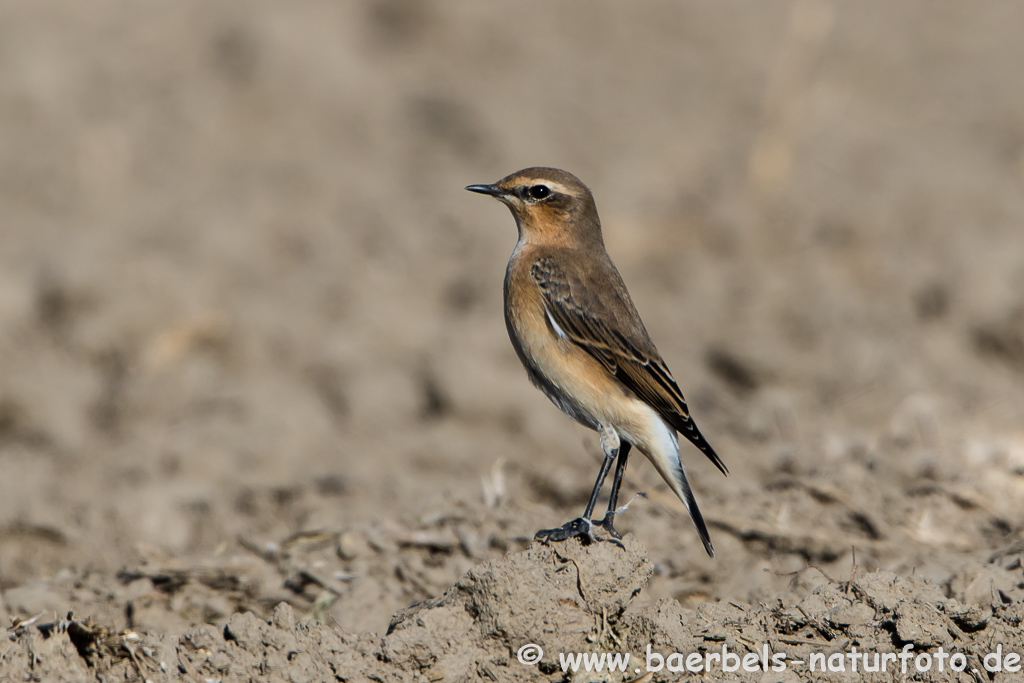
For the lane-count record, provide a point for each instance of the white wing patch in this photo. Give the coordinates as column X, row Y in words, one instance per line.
column 558, row 330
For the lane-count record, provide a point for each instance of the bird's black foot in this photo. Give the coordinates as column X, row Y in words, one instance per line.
column 608, row 525
column 581, row 528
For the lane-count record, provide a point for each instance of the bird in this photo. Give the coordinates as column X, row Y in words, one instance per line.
column 575, row 329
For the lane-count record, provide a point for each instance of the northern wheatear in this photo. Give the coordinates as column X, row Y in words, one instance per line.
column 575, row 329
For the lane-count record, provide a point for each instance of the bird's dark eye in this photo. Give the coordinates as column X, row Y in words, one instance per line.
column 539, row 191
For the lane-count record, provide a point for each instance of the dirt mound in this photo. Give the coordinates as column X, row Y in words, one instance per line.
column 524, row 616
column 561, row 599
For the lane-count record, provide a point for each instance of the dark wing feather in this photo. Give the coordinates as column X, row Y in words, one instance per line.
column 623, row 347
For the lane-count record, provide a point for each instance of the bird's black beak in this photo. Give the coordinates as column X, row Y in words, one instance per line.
column 492, row 190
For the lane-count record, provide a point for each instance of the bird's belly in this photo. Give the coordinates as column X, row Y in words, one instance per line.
column 571, row 378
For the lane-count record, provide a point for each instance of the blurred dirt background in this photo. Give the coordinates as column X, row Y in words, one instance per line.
column 251, row 342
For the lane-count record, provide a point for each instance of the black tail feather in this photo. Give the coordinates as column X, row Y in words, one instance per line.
column 691, row 507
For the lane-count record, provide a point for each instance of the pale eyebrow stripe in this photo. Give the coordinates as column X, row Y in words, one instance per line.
column 555, row 187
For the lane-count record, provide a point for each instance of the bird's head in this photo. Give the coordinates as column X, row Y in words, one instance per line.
column 550, row 206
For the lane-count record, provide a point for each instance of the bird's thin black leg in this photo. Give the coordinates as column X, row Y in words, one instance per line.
column 583, row 527
column 608, row 523
column 606, row 465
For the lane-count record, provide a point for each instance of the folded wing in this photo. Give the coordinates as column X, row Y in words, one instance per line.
column 605, row 323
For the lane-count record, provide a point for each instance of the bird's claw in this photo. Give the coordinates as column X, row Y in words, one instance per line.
column 581, row 528
column 608, row 525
